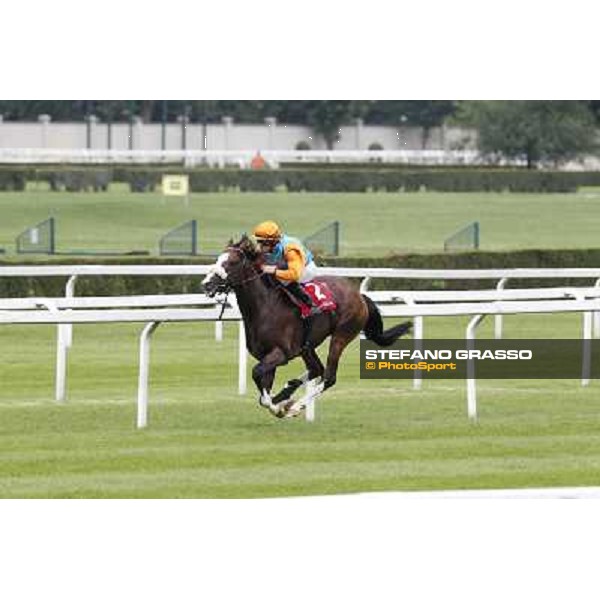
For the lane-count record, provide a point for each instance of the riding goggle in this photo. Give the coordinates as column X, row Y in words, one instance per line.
column 267, row 242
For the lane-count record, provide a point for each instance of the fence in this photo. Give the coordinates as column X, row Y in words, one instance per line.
column 68, row 310
column 132, row 309
column 502, row 276
column 240, row 158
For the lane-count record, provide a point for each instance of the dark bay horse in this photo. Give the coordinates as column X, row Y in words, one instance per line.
column 274, row 330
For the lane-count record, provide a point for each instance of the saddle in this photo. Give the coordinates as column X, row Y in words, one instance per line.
column 319, row 293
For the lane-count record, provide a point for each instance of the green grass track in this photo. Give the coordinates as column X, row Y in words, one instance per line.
column 372, row 224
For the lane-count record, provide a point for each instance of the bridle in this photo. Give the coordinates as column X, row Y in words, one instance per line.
column 227, row 284
column 243, row 281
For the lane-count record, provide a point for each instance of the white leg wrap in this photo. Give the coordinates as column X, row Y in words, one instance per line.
column 313, row 391
column 265, row 399
column 266, row 402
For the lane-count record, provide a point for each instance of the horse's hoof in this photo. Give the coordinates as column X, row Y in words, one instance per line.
column 295, row 412
column 277, row 411
column 295, row 409
column 286, row 405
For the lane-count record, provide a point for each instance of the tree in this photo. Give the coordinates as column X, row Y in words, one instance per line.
column 327, row 116
column 287, row 111
column 110, row 110
column 595, row 108
column 414, row 113
column 29, row 110
column 420, row 113
column 536, row 131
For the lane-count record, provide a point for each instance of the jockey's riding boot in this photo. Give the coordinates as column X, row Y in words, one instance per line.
column 296, row 290
column 306, row 327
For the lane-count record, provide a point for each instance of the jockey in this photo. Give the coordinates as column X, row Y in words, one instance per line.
column 288, row 260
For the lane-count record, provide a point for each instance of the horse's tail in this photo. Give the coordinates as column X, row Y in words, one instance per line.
column 374, row 326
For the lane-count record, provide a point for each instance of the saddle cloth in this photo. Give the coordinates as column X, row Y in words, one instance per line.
column 321, row 296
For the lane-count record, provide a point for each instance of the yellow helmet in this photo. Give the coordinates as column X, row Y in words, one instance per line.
column 267, row 230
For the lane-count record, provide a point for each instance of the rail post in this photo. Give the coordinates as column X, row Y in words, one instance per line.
column 471, row 381
column 142, row 399
column 587, row 332
column 498, row 318
column 597, row 316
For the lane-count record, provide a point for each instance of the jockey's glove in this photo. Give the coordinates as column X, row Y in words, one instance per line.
column 270, row 269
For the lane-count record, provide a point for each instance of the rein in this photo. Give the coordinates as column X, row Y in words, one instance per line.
column 223, row 305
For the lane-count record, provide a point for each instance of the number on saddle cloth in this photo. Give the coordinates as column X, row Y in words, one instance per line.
column 321, row 295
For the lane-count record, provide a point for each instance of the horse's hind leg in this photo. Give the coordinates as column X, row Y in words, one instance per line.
column 313, row 363
column 290, row 387
column 293, row 408
column 315, row 369
column 339, row 341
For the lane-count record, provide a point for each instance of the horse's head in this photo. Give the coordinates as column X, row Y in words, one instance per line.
column 236, row 266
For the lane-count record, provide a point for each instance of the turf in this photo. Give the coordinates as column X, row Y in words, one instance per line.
column 371, row 224
column 205, row 441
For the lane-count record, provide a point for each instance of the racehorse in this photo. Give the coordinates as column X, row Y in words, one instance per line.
column 275, row 333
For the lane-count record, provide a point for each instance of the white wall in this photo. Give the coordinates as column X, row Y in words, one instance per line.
column 226, row 136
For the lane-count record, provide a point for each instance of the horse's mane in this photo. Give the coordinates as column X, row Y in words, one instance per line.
column 251, row 251
column 247, row 246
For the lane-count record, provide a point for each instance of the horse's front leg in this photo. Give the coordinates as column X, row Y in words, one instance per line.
column 263, row 375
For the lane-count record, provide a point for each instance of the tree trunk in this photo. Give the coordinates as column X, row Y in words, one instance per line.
column 146, row 110
column 425, row 137
column 530, row 161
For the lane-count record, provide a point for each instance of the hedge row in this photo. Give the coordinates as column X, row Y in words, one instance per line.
column 12, row 180
column 340, row 179
column 121, row 285
column 354, row 180
column 522, row 259
column 17, row 287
